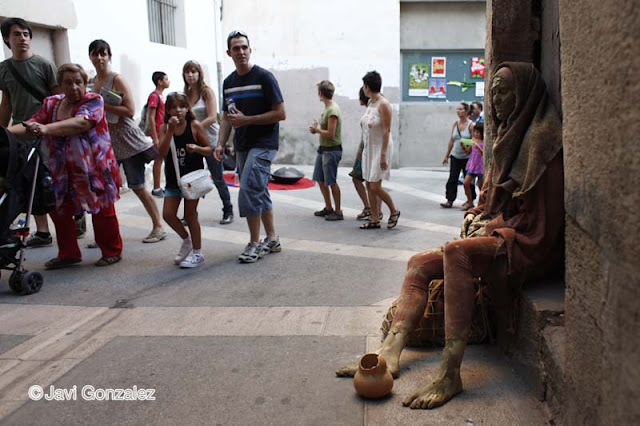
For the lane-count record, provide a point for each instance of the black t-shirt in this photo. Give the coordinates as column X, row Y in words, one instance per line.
column 254, row 93
column 187, row 161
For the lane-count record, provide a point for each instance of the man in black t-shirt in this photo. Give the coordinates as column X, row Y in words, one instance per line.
column 253, row 107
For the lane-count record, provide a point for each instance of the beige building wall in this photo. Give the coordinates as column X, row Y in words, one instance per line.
column 600, row 87
column 425, row 127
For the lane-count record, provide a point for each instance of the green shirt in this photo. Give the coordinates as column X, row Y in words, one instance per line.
column 36, row 70
column 334, row 110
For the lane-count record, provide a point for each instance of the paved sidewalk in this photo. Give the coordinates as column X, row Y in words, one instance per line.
column 230, row 343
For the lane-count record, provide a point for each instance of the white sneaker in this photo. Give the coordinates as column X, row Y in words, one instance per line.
column 192, row 261
column 250, row 254
column 185, row 250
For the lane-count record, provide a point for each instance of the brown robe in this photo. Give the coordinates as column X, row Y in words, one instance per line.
column 523, row 194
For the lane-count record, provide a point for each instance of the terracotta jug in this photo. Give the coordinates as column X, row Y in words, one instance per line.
column 373, row 380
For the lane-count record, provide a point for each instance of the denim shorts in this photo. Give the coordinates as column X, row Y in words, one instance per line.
column 172, row 192
column 326, row 168
column 476, row 175
column 254, row 167
column 134, row 170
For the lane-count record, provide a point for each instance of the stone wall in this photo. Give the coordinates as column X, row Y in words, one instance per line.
column 600, row 98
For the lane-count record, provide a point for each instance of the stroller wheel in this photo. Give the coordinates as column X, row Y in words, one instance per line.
column 26, row 282
column 15, row 282
column 31, row 282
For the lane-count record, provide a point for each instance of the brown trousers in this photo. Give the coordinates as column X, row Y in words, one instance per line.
column 458, row 263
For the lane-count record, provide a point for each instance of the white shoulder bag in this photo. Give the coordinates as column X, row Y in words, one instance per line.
column 193, row 185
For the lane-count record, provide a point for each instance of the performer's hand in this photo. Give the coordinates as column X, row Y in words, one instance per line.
column 464, row 229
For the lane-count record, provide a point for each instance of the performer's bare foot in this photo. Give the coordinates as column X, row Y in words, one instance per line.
column 435, row 394
column 391, row 349
column 447, row 385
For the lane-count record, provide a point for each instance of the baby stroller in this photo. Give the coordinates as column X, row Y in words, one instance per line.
column 25, row 187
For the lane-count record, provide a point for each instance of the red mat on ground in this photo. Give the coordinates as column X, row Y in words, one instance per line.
column 301, row 184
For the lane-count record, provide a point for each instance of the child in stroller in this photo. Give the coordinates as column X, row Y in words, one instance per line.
column 25, row 187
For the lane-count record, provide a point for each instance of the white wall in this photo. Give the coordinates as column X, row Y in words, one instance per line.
column 124, row 25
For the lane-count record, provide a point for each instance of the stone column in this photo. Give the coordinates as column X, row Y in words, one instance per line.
column 511, row 35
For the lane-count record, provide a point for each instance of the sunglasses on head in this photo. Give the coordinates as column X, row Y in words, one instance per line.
column 237, row 33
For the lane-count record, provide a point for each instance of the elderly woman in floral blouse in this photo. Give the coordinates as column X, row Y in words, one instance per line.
column 83, row 167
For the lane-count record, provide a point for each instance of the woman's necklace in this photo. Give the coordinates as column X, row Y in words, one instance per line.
column 375, row 101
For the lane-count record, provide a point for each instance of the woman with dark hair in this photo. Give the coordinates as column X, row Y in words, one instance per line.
column 191, row 145
column 129, row 143
column 515, row 230
column 377, row 151
column 356, row 172
column 458, row 153
column 83, row 169
column 202, row 100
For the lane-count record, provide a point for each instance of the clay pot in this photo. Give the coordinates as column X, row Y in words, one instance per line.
column 373, row 380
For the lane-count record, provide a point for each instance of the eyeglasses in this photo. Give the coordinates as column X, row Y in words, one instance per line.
column 237, row 33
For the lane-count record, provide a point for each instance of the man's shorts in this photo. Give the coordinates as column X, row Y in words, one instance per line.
column 326, row 168
column 134, row 170
column 254, row 167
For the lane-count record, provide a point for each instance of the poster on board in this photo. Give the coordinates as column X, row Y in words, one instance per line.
column 418, row 79
column 437, row 88
column 438, row 66
column 480, row 89
column 477, row 67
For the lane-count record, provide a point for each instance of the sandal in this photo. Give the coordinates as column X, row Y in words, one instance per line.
column 365, row 215
column 370, row 225
column 57, row 263
column 106, row 261
column 393, row 220
column 447, row 205
column 155, row 236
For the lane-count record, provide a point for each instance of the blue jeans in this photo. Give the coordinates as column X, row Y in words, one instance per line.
column 254, row 167
column 215, row 167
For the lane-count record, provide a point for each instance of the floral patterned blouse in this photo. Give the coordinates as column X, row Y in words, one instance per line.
column 83, row 167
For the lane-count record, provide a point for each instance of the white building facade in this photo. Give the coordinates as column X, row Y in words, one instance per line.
column 144, row 35
column 301, row 42
column 305, row 41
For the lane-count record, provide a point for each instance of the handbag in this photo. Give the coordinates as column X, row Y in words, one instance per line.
column 193, row 185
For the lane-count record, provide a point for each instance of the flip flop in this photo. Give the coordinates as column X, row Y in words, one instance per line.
column 57, row 263
column 106, row 261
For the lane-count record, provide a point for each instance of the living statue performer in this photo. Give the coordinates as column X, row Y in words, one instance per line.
column 516, row 227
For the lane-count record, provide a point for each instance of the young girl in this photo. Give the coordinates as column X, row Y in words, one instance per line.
column 191, row 145
column 475, row 168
